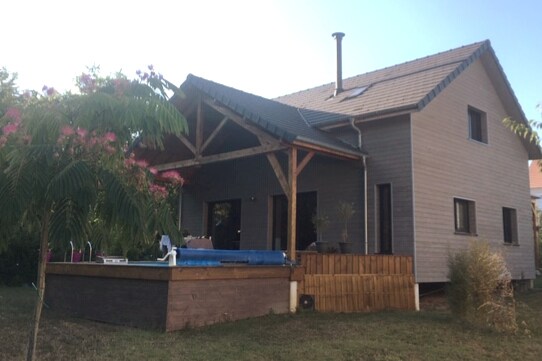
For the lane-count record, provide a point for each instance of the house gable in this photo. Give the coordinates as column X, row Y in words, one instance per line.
column 447, row 164
column 283, row 122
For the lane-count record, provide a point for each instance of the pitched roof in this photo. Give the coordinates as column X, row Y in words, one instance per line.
column 406, row 86
column 535, row 175
column 285, row 122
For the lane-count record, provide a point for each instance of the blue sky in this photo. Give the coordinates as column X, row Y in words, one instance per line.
column 268, row 47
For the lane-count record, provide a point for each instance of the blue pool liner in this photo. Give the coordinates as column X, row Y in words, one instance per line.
column 215, row 257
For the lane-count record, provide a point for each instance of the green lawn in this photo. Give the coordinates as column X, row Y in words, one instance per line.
column 426, row 335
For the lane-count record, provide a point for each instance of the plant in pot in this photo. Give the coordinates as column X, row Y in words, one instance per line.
column 320, row 224
column 345, row 211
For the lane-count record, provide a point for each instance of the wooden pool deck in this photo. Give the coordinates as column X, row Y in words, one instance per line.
column 168, row 298
column 173, row 298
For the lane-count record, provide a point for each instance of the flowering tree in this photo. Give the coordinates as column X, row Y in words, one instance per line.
column 66, row 163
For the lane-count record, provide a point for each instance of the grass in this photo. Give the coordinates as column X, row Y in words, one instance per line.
column 389, row 336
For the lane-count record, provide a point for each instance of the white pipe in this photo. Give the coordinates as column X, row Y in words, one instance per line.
column 365, row 221
column 293, row 296
column 172, row 257
column 71, row 258
column 360, row 141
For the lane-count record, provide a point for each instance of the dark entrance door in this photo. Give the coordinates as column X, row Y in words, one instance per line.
column 384, row 214
column 224, row 223
column 305, row 234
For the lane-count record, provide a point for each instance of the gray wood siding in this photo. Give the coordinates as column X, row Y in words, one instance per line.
column 387, row 141
column 447, row 164
column 333, row 180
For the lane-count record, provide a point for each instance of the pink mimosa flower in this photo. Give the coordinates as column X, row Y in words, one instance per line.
column 14, row 113
column 67, row 131
column 92, row 141
column 82, row 132
column 110, row 137
column 153, row 171
column 129, row 162
column 173, row 176
column 142, row 163
column 158, row 190
column 10, row 128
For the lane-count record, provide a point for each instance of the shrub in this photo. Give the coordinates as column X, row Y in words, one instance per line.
column 480, row 289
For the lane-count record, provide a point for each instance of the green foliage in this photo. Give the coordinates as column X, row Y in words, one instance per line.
column 320, row 224
column 66, row 161
column 66, row 155
column 527, row 131
column 346, row 211
column 480, row 289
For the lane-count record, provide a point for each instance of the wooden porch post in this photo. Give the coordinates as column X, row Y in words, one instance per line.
column 292, row 202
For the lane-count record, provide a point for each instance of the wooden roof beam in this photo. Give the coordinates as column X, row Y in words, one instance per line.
column 304, row 163
column 248, row 152
column 283, row 181
column 187, row 143
column 214, row 133
column 199, row 128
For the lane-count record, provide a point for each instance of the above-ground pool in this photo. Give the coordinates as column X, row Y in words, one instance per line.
column 187, row 256
column 154, row 295
column 216, row 257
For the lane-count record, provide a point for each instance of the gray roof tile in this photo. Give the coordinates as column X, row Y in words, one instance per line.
column 285, row 122
column 405, row 86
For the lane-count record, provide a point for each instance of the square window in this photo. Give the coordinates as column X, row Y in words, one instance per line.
column 509, row 225
column 464, row 216
column 477, row 125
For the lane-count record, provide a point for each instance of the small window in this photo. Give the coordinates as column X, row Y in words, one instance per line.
column 356, row 92
column 464, row 216
column 509, row 225
column 477, row 126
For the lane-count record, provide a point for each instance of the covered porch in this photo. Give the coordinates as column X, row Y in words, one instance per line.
column 256, row 172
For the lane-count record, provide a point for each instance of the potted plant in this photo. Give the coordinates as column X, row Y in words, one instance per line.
column 345, row 211
column 320, row 224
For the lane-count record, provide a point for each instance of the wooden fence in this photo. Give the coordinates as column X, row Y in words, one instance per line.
column 356, row 283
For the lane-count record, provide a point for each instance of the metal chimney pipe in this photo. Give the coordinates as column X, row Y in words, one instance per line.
column 339, row 82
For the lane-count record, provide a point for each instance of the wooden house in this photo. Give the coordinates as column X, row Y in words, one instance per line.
column 419, row 149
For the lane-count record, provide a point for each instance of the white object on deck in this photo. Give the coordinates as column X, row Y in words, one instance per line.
column 111, row 260
column 172, row 257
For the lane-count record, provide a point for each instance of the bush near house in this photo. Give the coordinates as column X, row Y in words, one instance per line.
column 480, row 290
